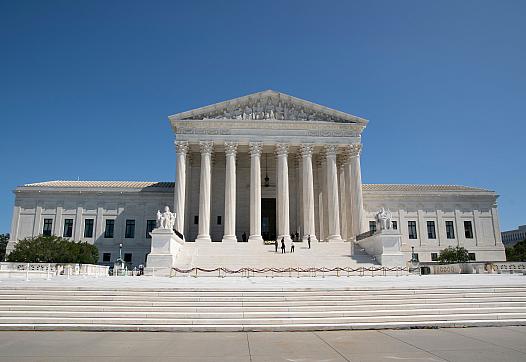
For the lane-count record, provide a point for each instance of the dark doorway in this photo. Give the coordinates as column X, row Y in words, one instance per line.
column 268, row 219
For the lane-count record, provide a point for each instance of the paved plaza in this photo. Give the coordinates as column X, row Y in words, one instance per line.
column 450, row 344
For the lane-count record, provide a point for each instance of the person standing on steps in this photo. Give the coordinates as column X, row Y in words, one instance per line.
column 276, row 245
column 283, row 245
column 244, row 237
column 292, row 246
column 308, row 240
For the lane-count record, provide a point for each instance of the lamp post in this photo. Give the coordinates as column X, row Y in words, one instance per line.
column 120, row 251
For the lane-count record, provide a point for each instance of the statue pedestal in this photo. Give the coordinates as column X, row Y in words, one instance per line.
column 385, row 247
column 165, row 246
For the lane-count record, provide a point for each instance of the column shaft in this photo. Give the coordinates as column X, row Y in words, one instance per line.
column 181, row 148
column 356, row 189
column 230, row 192
column 204, row 191
column 255, row 191
column 283, row 192
column 308, row 194
column 343, row 202
column 333, row 208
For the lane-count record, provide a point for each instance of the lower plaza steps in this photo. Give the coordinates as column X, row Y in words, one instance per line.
column 257, row 309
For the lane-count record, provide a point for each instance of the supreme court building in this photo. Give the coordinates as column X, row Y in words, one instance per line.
column 266, row 165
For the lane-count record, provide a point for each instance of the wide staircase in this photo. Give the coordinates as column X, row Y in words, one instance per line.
column 261, row 309
column 235, row 255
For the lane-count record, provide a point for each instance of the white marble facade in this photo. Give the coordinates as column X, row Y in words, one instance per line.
column 224, row 153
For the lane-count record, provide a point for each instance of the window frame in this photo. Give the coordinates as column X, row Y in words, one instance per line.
column 90, row 229
column 68, row 228
column 372, row 226
column 468, row 232
column 431, row 229
column 129, row 229
column 47, row 222
column 450, row 229
column 103, row 257
column 149, row 223
column 109, row 230
column 412, row 231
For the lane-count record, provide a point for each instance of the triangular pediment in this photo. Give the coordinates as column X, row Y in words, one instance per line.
column 268, row 105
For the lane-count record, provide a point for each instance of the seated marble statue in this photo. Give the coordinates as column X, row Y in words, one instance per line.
column 384, row 219
column 165, row 220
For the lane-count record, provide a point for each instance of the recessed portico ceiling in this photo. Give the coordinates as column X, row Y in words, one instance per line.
column 268, row 105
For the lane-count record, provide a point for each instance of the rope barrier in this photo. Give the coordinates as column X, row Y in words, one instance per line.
column 245, row 272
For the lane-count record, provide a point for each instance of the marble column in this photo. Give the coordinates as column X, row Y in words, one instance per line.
column 181, row 149
column 308, row 193
column 333, row 205
column 343, row 200
column 356, row 189
column 255, row 149
column 282, row 150
column 204, row 190
column 320, row 163
column 350, row 236
column 230, row 192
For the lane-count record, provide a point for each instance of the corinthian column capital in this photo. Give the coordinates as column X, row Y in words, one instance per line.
column 231, row 148
column 353, row 150
column 306, row 150
column 255, row 148
column 181, row 147
column 330, row 150
column 207, row 147
column 282, row 149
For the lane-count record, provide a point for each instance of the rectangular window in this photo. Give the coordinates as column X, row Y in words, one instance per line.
column 68, row 228
column 150, row 225
column 468, row 229
column 48, row 225
column 88, row 228
column 106, row 257
column 110, row 225
column 219, row 220
column 130, row 229
column 472, row 256
column 411, row 226
column 431, row 232
column 395, row 225
column 196, row 219
column 128, row 257
column 450, row 230
column 434, row 256
column 372, row 226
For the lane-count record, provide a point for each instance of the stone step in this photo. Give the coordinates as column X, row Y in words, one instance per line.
column 242, row 314
column 351, row 302
column 266, row 320
column 259, row 292
column 256, row 308
column 260, row 328
column 261, row 299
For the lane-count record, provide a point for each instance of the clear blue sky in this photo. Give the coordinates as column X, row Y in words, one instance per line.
column 86, row 86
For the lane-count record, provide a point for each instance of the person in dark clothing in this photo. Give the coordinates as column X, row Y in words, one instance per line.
column 276, row 245
column 283, row 245
column 297, row 237
column 244, row 237
column 308, row 241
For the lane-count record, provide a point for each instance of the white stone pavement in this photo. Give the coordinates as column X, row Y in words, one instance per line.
column 268, row 283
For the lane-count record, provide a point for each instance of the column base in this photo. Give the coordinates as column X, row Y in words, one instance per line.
column 334, row 238
column 313, row 238
column 255, row 238
column 287, row 239
column 203, row 238
column 229, row 238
